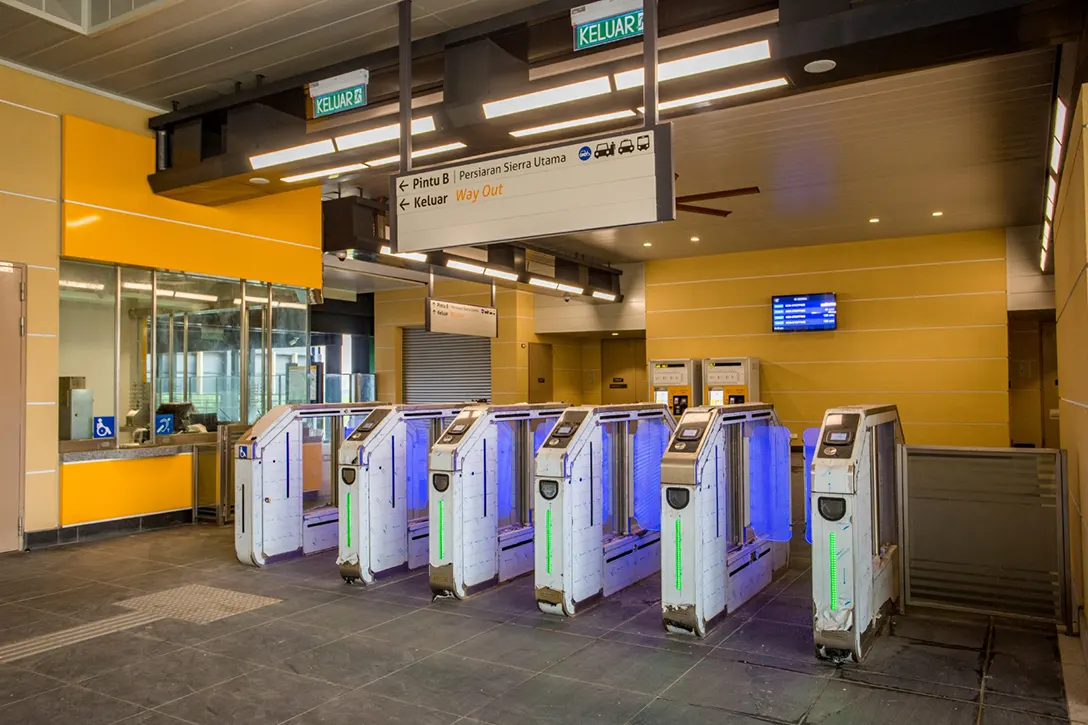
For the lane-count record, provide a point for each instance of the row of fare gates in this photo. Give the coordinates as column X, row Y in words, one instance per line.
column 590, row 500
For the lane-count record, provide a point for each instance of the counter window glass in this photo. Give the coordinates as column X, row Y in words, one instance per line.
column 87, row 386
column 257, row 370
column 290, row 334
column 134, row 411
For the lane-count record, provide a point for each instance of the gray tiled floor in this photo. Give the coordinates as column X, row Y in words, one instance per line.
column 329, row 654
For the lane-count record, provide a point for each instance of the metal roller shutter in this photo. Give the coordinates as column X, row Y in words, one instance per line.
column 440, row 368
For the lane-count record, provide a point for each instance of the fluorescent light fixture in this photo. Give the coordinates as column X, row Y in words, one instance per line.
column 323, row 172
column 418, row 154
column 724, row 93
column 1055, row 155
column 1059, row 120
column 1042, row 261
column 551, row 97
column 547, row 283
column 647, row 244
column 195, row 296
column 1050, row 209
column 385, row 133
column 874, row 220
column 464, row 266
column 938, row 213
column 574, row 123
column 140, row 286
column 90, row 286
column 604, row 296
column 1046, row 234
column 501, row 274
column 684, row 67
column 574, row 290
column 1052, row 189
column 295, row 153
column 414, row 256
column 695, row 239
column 615, row 334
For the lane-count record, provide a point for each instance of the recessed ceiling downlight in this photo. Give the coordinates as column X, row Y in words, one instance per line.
column 820, row 66
column 258, row 180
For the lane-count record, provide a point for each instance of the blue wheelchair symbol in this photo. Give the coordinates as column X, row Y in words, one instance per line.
column 585, row 153
column 164, row 424
column 103, row 427
column 243, row 452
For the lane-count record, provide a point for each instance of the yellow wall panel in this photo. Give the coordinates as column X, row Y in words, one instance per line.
column 102, row 490
column 42, row 363
column 49, row 96
column 41, row 436
column 974, row 374
column 41, row 501
column 42, row 301
column 31, row 231
column 989, row 436
column 30, row 149
column 965, row 408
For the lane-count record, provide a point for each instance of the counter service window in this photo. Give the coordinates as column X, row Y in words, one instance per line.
column 88, row 384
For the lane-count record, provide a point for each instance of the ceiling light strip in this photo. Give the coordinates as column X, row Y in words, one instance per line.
column 723, row 93
column 418, row 154
column 696, row 64
column 574, row 123
column 384, row 133
column 551, row 97
column 322, row 173
column 294, row 153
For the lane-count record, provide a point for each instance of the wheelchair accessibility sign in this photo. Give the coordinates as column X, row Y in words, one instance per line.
column 104, row 427
column 246, row 452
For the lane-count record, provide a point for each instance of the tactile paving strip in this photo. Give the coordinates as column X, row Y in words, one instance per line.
column 197, row 603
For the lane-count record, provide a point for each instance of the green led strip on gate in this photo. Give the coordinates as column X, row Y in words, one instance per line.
column 833, row 571
column 349, row 520
column 441, row 532
column 548, row 538
column 679, row 566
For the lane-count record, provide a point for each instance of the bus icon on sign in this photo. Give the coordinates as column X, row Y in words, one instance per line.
column 585, row 153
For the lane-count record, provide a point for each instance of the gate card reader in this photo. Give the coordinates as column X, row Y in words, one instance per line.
column 725, row 513
column 481, row 475
column 855, row 529
column 598, row 506
column 382, row 481
column 676, row 383
column 730, row 380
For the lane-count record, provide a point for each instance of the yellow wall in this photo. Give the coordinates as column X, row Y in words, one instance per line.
column 1071, row 298
column 922, row 324
column 102, row 490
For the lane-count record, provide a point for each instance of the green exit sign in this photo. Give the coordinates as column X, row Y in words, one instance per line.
column 343, row 100
column 608, row 30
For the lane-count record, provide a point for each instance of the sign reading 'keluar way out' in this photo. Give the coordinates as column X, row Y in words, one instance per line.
column 340, row 93
column 607, row 21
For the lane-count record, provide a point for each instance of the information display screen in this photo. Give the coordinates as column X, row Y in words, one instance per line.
column 797, row 313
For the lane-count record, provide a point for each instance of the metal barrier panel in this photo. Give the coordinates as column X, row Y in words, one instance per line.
column 984, row 530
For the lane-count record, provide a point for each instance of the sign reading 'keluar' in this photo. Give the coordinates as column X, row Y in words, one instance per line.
column 607, row 21
column 340, row 93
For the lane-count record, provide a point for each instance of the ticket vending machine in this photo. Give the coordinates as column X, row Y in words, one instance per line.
column 725, row 515
column 481, row 496
column 382, row 481
column 598, row 503
column 855, row 529
column 676, row 383
column 730, row 380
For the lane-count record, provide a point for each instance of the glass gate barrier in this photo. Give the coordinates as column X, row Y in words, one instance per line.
column 598, row 503
column 725, row 485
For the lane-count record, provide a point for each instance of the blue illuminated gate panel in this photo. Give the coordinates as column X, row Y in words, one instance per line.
column 650, row 440
column 770, row 475
column 504, row 450
column 415, row 467
column 811, row 439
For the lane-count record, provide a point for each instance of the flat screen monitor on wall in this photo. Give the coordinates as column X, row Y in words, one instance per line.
column 801, row 313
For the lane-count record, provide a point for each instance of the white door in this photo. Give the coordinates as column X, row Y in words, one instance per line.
column 12, row 402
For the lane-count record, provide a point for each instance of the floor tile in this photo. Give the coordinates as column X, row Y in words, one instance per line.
column 259, row 698
column 847, row 704
column 813, row 666
column 1076, row 691
column 365, row 708
column 749, row 689
column 669, row 643
column 1027, row 643
column 569, row 625
column 164, row 576
column 772, row 638
column 415, row 587
column 95, row 656
column 43, row 624
column 87, row 603
column 788, row 611
column 151, row 717
column 191, row 633
column 429, row 629
column 22, row 590
column 910, row 661
column 17, row 684
column 512, row 598
column 353, row 661
column 529, row 649
column 348, row 616
column 547, row 699
column 1037, row 679
column 16, row 615
column 175, row 675
column 625, row 666
column 270, row 642
column 918, row 687
column 449, row 683
column 997, row 716
column 65, row 706
column 664, row 712
column 971, row 635
column 1046, row 708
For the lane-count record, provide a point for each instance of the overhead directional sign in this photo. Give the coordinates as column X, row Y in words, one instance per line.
column 339, row 93
column 459, row 319
column 601, row 183
column 606, row 21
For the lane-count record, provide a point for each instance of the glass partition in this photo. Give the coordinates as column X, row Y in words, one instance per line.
column 88, row 385
column 134, row 326
column 290, row 343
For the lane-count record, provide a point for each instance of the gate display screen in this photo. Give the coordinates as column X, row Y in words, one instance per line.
column 799, row 313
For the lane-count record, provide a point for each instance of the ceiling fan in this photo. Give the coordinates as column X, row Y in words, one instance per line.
column 687, row 203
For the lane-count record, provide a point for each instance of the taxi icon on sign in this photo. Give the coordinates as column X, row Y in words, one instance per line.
column 585, row 153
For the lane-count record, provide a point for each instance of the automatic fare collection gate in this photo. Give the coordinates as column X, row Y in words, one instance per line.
column 985, row 530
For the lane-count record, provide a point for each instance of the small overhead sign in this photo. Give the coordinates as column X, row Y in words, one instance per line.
column 457, row 319
column 601, row 183
column 606, row 21
column 339, row 93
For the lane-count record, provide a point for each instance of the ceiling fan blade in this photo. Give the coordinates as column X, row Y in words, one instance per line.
column 745, row 191
column 702, row 210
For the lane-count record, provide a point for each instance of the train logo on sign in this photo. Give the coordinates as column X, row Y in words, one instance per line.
column 585, row 153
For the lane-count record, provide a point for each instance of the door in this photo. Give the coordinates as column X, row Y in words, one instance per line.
column 623, row 372
column 12, row 401
column 540, row 373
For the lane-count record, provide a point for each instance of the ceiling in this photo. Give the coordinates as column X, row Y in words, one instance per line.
column 194, row 50
column 352, row 275
column 968, row 140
